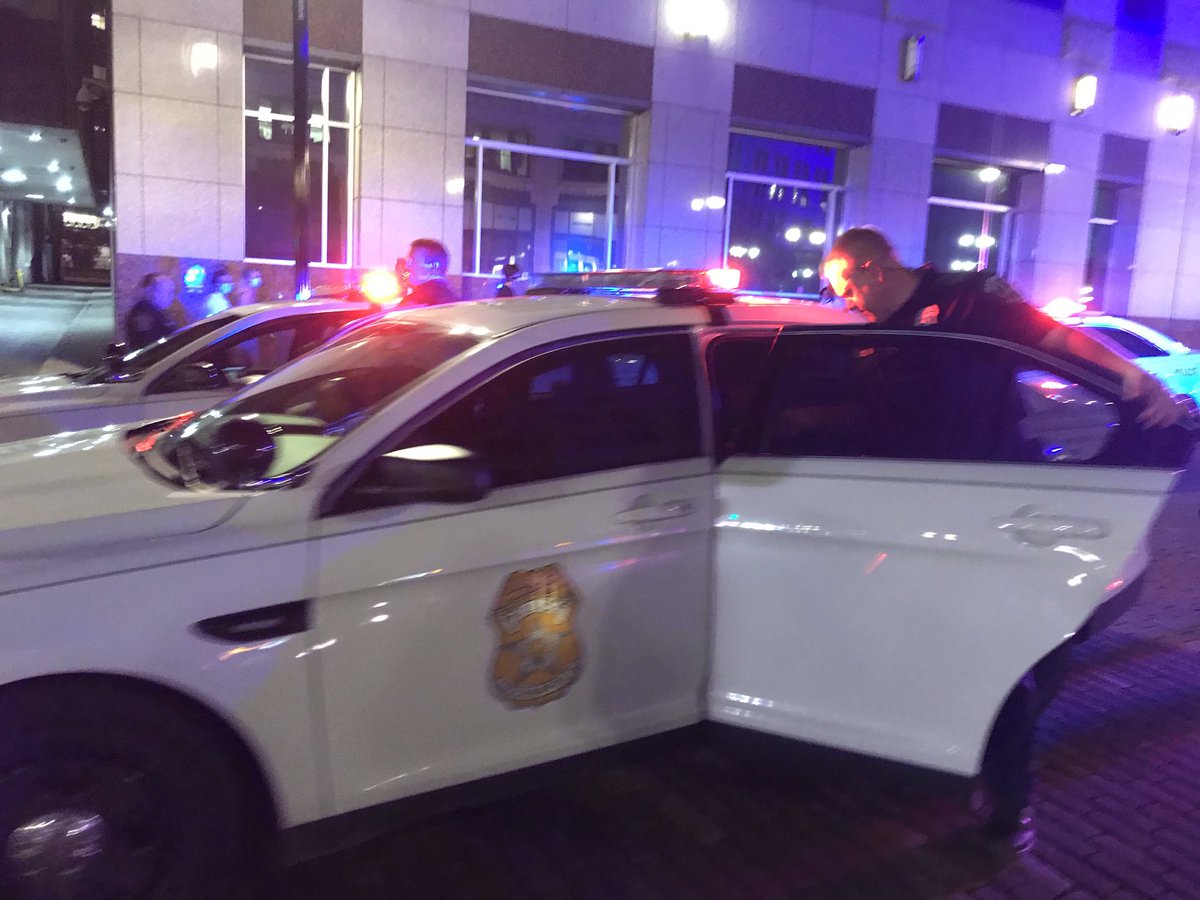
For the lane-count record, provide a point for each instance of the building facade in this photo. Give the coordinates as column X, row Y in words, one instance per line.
column 580, row 134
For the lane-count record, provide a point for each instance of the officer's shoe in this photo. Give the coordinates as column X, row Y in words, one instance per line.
column 1017, row 834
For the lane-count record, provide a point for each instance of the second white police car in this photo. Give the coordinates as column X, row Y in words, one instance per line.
column 463, row 540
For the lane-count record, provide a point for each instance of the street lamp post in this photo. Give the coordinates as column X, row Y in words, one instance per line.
column 300, row 179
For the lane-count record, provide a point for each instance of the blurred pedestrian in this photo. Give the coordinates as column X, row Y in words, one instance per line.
column 147, row 320
column 511, row 272
column 219, row 293
column 247, row 288
column 424, row 271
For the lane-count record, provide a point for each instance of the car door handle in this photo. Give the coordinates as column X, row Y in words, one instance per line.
column 1029, row 525
column 644, row 511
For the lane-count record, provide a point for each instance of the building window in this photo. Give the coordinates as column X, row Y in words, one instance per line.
column 553, row 178
column 269, row 124
column 783, row 209
column 968, row 217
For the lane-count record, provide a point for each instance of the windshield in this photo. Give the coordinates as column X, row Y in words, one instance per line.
column 138, row 361
column 312, row 404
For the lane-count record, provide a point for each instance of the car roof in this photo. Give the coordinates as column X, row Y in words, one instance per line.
column 1145, row 332
column 507, row 314
column 273, row 310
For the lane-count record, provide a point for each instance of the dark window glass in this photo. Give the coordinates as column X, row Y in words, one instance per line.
column 961, row 181
column 963, row 240
column 270, row 217
column 544, row 213
column 1137, row 346
column 779, row 157
column 588, row 408
column 735, row 368
column 899, row 397
column 777, row 236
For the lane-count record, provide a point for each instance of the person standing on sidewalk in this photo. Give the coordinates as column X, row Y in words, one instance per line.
column 864, row 270
column 147, row 320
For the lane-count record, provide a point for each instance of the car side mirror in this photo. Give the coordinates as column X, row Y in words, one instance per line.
column 1066, row 422
column 239, row 454
column 194, row 376
column 431, row 473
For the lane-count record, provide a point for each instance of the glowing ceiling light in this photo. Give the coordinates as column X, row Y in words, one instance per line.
column 714, row 202
column 816, row 238
column 966, row 240
column 99, row 22
column 71, row 201
column 984, row 241
column 807, row 273
column 792, row 234
column 203, row 57
column 1054, row 168
column 697, row 204
column 456, row 185
column 35, row 196
column 737, row 251
column 1083, row 94
column 63, row 184
column 108, row 211
column 53, row 166
column 697, row 18
column 753, row 252
column 35, row 137
column 12, row 176
column 1176, row 113
column 989, row 174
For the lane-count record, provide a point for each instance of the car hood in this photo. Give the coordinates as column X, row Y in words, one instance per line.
column 79, row 495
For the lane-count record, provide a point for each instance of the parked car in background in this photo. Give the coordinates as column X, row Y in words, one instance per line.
column 191, row 369
column 1175, row 364
column 467, row 539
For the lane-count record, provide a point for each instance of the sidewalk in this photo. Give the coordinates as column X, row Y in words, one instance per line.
column 53, row 327
column 1118, row 805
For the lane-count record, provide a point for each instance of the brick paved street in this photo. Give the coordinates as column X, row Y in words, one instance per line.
column 702, row 817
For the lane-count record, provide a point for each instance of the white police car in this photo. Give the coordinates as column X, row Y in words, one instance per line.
column 1175, row 364
column 192, row 369
column 472, row 538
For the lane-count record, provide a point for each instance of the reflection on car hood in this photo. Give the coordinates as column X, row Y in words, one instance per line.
column 80, row 494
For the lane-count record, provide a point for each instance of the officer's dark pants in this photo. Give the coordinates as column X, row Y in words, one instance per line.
column 1007, row 762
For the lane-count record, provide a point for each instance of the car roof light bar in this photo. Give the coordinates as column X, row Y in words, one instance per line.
column 675, row 287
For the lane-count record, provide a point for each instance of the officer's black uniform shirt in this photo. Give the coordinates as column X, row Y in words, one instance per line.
column 431, row 293
column 947, row 400
column 145, row 324
column 972, row 303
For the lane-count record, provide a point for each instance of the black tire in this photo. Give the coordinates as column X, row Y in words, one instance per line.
column 174, row 815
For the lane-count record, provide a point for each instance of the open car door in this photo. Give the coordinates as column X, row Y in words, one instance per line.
column 907, row 523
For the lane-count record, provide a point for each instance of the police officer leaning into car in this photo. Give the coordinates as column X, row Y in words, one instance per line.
column 863, row 269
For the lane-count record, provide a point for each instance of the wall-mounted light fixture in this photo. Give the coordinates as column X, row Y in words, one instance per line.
column 989, row 174
column 1083, row 93
column 202, row 57
column 1176, row 113
column 1054, row 168
column 912, row 49
column 697, row 18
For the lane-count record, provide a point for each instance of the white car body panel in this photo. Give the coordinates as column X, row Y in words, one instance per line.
column 38, row 405
column 405, row 619
column 832, row 579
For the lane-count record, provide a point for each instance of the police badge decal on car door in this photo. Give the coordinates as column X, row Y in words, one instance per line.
column 539, row 656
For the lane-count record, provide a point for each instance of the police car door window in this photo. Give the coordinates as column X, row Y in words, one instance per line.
column 586, row 408
column 885, row 396
column 736, row 366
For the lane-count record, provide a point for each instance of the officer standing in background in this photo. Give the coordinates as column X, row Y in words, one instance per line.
column 424, row 271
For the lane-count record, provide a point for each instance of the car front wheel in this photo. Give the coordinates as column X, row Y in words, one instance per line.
column 109, row 793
